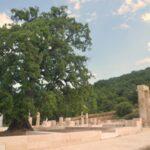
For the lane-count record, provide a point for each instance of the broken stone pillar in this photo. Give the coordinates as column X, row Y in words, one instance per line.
column 61, row 121
column 53, row 123
column 30, row 119
column 72, row 124
column 1, row 120
column 67, row 122
column 144, row 103
column 82, row 119
column 38, row 119
column 45, row 123
column 86, row 118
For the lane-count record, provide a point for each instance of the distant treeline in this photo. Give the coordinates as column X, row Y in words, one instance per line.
column 110, row 93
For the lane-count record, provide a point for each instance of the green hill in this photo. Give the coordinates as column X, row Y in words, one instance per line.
column 109, row 93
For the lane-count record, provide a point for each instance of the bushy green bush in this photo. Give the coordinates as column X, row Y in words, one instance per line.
column 132, row 115
column 123, row 109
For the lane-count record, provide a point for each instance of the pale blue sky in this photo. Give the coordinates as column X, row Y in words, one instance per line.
column 120, row 31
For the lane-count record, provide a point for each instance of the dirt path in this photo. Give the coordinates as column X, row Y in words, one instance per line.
column 131, row 142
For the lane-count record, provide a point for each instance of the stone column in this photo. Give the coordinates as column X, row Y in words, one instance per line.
column 67, row 122
column 38, row 119
column 30, row 119
column 86, row 118
column 82, row 119
column 144, row 103
column 61, row 121
column 1, row 120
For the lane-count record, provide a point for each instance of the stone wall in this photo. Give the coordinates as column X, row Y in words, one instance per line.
column 53, row 140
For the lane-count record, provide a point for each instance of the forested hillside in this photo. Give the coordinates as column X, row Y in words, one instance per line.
column 109, row 93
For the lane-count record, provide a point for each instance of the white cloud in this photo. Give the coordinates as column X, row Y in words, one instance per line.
column 78, row 3
column 4, row 19
column 91, row 17
column 71, row 14
column 124, row 26
column 148, row 46
column 131, row 6
column 146, row 17
column 144, row 61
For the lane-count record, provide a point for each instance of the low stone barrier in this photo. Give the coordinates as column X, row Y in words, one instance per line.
column 48, row 141
column 52, row 140
column 3, row 129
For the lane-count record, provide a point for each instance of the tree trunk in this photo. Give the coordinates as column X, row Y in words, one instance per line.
column 22, row 125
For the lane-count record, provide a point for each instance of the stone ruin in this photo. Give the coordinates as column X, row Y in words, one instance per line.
column 95, row 128
column 86, row 120
column 144, row 103
column 83, row 122
column 1, row 120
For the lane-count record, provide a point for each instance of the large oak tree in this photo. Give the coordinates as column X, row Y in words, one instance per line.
column 41, row 60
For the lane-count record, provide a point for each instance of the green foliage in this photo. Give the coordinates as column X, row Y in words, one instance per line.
column 6, row 105
column 43, row 68
column 134, row 114
column 48, row 105
column 42, row 63
column 120, row 89
column 123, row 109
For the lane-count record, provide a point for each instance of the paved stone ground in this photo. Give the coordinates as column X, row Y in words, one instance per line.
column 130, row 142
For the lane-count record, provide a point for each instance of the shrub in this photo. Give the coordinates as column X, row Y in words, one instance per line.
column 132, row 115
column 123, row 109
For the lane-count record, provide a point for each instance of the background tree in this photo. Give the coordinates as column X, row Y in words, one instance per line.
column 40, row 64
column 123, row 109
column 116, row 90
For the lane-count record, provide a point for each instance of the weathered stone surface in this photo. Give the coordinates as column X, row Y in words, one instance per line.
column 38, row 119
column 30, row 119
column 1, row 120
column 144, row 103
column 53, row 140
column 61, row 121
column 53, row 123
column 86, row 118
column 67, row 121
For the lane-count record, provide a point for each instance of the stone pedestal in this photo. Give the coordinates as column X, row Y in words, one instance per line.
column 46, row 123
column 38, row 119
column 1, row 120
column 82, row 119
column 86, row 118
column 53, row 123
column 30, row 120
column 61, row 121
column 67, row 122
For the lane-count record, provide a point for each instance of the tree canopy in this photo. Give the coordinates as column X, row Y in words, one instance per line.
column 43, row 68
column 119, row 90
column 42, row 64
